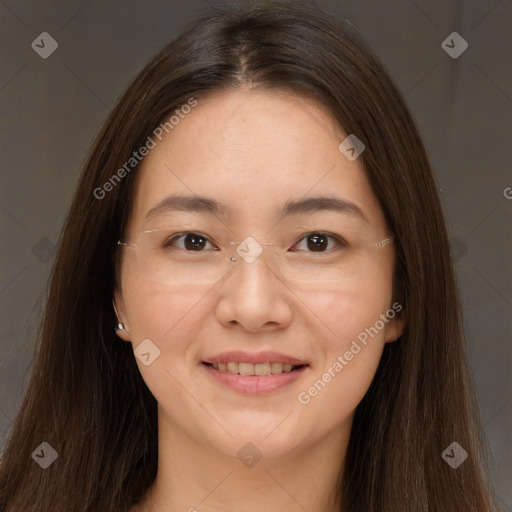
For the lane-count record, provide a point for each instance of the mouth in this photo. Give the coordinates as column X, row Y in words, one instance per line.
column 254, row 374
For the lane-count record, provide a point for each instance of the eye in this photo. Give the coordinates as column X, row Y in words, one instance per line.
column 319, row 242
column 191, row 241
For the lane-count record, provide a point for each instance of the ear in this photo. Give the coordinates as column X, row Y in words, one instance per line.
column 395, row 328
column 124, row 334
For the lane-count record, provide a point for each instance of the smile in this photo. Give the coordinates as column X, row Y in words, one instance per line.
column 254, row 378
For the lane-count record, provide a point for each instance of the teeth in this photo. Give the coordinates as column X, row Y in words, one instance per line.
column 260, row 369
column 276, row 368
column 233, row 367
column 245, row 368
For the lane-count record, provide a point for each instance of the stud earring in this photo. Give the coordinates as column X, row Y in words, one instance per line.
column 120, row 325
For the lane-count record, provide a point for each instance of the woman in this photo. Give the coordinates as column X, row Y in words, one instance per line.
column 253, row 303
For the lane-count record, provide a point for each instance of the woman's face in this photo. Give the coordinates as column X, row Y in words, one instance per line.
column 255, row 153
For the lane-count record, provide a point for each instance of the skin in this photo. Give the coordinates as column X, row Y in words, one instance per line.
column 253, row 151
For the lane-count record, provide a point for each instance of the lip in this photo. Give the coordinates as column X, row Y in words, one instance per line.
column 240, row 356
column 252, row 384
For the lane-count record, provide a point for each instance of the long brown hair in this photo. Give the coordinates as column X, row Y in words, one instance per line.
column 86, row 397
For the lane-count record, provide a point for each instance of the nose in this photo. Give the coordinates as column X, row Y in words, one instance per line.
column 254, row 296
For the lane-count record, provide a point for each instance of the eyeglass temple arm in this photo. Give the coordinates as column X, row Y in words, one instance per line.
column 125, row 244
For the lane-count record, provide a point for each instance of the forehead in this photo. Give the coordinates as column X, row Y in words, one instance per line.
column 253, row 152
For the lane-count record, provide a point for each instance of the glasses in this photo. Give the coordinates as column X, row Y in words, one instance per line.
column 163, row 255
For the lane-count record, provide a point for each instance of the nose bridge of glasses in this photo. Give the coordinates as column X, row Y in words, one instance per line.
column 249, row 249
column 256, row 256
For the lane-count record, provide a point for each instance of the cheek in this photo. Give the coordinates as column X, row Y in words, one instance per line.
column 171, row 319
column 347, row 311
column 161, row 313
column 351, row 348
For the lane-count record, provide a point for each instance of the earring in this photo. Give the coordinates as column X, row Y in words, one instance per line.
column 120, row 326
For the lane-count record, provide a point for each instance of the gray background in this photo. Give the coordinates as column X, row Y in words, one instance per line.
column 53, row 107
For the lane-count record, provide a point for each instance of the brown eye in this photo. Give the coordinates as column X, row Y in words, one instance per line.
column 194, row 241
column 191, row 242
column 319, row 242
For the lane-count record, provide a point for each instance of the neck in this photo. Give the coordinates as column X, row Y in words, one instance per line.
column 195, row 477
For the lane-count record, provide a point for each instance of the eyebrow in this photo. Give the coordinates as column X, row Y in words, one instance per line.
column 202, row 204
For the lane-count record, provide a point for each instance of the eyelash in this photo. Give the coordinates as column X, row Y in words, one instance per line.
column 340, row 241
